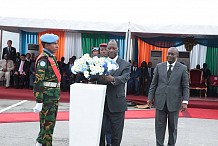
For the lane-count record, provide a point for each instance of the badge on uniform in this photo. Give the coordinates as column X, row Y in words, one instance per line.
column 42, row 63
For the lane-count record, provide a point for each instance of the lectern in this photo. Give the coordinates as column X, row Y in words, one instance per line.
column 86, row 113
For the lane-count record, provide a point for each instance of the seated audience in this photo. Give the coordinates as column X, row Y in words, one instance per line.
column 6, row 66
column 20, row 72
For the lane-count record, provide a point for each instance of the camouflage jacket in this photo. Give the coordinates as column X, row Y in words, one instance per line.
column 45, row 73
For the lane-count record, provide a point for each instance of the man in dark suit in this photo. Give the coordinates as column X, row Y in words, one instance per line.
column 20, row 72
column 115, row 101
column 134, row 78
column 143, row 76
column 170, row 91
column 10, row 51
column 68, row 77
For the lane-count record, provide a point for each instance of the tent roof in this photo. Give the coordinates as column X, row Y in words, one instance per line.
column 162, row 17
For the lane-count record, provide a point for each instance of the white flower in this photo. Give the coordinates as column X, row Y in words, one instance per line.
column 86, row 56
column 86, row 74
column 93, row 66
column 73, row 70
column 101, row 61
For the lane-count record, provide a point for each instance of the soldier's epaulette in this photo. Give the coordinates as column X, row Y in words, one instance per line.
column 43, row 58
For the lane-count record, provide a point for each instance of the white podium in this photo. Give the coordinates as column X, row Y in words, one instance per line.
column 86, row 113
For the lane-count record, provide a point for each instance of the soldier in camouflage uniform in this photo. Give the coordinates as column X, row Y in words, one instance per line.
column 47, row 89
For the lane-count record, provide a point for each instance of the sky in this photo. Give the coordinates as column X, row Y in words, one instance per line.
column 194, row 12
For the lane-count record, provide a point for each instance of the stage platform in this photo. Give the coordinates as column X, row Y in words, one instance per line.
column 26, row 94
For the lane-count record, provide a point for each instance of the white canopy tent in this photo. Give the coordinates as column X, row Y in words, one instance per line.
column 169, row 16
column 141, row 17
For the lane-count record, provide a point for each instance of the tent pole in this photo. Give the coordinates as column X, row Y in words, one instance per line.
column 1, row 44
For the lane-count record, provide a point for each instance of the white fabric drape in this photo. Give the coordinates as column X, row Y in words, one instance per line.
column 73, row 45
column 197, row 55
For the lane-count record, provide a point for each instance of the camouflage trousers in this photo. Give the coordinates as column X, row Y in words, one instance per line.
column 47, row 123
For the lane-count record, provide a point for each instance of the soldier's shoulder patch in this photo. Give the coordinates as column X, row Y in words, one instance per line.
column 42, row 63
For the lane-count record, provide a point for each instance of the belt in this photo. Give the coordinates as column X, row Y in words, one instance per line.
column 51, row 84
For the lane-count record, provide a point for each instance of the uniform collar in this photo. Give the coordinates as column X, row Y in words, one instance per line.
column 48, row 52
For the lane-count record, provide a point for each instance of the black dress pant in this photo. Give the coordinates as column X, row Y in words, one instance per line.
column 19, row 80
column 117, row 124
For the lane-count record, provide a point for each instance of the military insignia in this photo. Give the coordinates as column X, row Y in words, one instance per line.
column 42, row 63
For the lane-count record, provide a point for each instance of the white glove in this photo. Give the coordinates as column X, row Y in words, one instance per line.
column 37, row 108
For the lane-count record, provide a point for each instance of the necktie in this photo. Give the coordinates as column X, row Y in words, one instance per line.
column 169, row 71
column 21, row 67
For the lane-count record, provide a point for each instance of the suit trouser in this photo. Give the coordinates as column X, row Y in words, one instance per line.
column 117, row 124
column 160, row 126
column 32, row 79
column 108, row 132
column 17, row 80
column 7, row 77
column 47, row 123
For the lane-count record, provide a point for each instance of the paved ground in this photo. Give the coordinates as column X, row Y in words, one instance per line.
column 191, row 132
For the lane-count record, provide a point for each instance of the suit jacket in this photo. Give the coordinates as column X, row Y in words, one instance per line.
column 11, row 54
column 152, row 73
column 136, row 73
column 170, row 91
column 26, row 67
column 68, row 70
column 115, row 93
column 32, row 67
column 10, row 65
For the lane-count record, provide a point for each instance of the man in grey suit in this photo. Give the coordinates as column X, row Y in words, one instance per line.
column 170, row 91
column 115, row 101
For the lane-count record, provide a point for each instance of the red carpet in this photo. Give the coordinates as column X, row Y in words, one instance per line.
column 26, row 94
column 193, row 103
column 131, row 114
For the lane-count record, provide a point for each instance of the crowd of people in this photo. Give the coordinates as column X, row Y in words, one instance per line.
column 141, row 77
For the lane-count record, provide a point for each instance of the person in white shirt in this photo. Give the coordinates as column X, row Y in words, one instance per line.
column 6, row 66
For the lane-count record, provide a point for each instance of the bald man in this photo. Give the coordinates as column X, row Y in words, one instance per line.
column 115, row 100
column 170, row 91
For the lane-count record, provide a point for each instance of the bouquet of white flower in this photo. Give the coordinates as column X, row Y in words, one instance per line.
column 93, row 66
